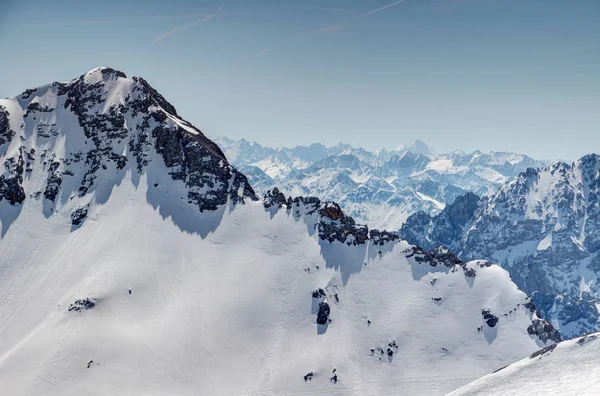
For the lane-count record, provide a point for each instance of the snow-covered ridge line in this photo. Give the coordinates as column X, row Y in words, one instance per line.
column 334, row 226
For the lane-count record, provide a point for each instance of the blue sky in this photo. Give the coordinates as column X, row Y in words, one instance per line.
column 518, row 75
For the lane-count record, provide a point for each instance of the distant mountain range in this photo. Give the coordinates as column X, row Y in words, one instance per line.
column 381, row 188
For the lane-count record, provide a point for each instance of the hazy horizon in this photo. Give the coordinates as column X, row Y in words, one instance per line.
column 491, row 75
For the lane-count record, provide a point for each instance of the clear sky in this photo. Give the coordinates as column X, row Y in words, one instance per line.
column 518, row 75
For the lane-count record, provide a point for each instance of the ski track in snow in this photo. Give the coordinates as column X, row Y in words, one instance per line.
column 271, row 362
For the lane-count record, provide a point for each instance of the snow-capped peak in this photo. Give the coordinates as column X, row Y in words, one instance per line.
column 418, row 147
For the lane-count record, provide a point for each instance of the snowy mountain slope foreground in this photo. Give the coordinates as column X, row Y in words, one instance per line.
column 569, row 368
column 129, row 266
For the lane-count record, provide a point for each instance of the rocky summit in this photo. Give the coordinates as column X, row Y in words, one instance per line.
column 81, row 133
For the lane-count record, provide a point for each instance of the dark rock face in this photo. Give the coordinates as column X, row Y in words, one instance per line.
column 344, row 230
column 382, row 237
column 489, row 318
column 332, row 211
column 54, row 181
column 333, row 224
column 544, row 331
column 11, row 181
column 319, row 293
column 440, row 255
column 543, row 351
column 6, row 133
column 336, row 226
column 443, row 229
column 35, row 107
column 274, row 198
column 323, row 314
column 79, row 215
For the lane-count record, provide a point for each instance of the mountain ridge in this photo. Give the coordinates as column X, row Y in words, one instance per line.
column 143, row 258
column 385, row 187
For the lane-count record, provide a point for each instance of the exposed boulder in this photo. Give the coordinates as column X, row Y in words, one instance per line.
column 544, row 331
column 53, row 182
column 79, row 215
column 332, row 211
column 323, row 314
column 382, row 237
column 78, row 305
column 489, row 318
column 274, row 198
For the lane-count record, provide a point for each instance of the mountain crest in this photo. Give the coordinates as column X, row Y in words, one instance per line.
column 85, row 134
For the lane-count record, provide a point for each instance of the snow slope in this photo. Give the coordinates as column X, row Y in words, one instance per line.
column 569, row 368
column 110, row 201
column 223, row 306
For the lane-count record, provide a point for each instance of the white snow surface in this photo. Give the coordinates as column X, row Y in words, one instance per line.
column 572, row 368
column 224, row 307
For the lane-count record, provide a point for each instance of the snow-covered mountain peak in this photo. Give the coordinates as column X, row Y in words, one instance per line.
column 102, row 73
column 74, row 141
column 418, row 147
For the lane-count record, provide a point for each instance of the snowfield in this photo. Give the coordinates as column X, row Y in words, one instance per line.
column 569, row 368
column 221, row 304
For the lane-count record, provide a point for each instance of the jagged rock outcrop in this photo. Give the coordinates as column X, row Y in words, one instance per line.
column 323, row 314
column 11, row 180
column 6, row 133
column 380, row 238
column 490, row 319
column 54, row 181
column 79, row 215
column 333, row 224
column 544, row 331
column 275, row 198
